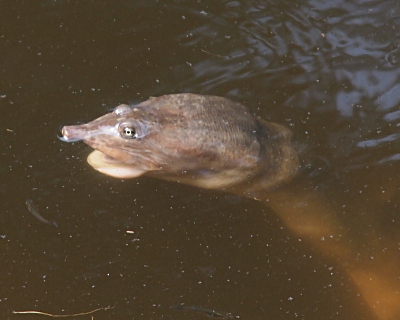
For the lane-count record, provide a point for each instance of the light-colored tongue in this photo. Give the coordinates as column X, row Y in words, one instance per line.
column 115, row 169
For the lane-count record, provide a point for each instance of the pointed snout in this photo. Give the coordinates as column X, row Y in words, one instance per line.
column 73, row 133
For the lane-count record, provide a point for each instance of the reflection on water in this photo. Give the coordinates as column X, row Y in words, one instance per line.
column 329, row 70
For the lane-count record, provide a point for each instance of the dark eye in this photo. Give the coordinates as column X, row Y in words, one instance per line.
column 128, row 132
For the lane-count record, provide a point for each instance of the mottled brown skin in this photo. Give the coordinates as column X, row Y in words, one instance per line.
column 206, row 141
column 214, row 143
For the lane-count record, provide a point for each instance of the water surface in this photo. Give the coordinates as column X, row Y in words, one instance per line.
column 329, row 70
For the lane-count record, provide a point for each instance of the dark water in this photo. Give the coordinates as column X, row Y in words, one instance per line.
column 329, row 70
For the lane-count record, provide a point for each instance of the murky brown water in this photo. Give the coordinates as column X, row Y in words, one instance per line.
column 327, row 69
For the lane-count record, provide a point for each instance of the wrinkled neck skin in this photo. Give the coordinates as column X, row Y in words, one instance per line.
column 214, row 143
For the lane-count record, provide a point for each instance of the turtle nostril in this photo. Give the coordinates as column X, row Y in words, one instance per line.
column 63, row 135
column 71, row 133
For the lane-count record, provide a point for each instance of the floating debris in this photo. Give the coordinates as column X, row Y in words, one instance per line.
column 62, row 315
column 212, row 313
column 214, row 54
column 35, row 212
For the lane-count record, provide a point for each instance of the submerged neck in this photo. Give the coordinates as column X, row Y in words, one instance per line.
column 314, row 219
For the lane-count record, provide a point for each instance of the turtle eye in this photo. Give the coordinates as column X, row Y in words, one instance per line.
column 128, row 132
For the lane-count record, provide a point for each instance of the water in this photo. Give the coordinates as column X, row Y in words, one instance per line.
column 329, row 70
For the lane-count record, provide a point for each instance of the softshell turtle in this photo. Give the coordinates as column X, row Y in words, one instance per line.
column 212, row 142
